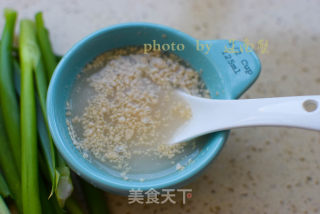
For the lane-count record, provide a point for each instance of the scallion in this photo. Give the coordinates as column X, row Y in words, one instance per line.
column 3, row 207
column 4, row 189
column 29, row 59
column 10, row 107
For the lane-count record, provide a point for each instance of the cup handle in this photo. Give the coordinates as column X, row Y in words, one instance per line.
column 238, row 64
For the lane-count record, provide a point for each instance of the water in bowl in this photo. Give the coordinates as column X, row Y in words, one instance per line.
column 147, row 164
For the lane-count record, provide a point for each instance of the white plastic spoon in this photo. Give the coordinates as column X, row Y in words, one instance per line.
column 210, row 115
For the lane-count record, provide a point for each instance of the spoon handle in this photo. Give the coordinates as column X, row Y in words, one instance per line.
column 296, row 111
column 209, row 115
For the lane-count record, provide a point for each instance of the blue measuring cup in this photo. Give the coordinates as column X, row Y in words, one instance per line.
column 228, row 68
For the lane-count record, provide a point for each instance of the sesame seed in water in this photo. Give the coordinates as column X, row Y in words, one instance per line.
column 130, row 108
